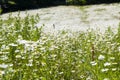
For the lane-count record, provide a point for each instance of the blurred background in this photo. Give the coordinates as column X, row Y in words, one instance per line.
column 15, row 5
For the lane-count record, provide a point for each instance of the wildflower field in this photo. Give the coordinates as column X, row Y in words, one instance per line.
column 27, row 53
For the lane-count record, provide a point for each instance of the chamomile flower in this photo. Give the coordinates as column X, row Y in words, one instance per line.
column 104, row 70
column 3, row 65
column 101, row 57
column 114, row 69
column 107, row 64
column 93, row 63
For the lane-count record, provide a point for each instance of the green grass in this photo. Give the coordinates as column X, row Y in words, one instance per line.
column 27, row 53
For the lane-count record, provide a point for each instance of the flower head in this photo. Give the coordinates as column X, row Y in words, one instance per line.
column 101, row 57
column 104, row 70
column 107, row 64
column 93, row 63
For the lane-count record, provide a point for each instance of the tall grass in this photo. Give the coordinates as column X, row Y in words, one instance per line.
column 27, row 53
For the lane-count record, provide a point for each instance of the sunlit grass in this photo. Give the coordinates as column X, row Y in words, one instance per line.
column 27, row 53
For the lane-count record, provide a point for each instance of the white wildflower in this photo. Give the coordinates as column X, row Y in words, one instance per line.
column 88, row 41
column 43, row 49
column 11, row 70
column 89, row 78
column 12, row 44
column 23, row 57
column 53, row 47
column 5, row 52
column 104, row 70
column 17, row 51
column 7, row 48
column 2, row 72
column 29, row 48
column 73, row 71
column 19, row 37
column 108, row 42
column 114, row 69
column 119, row 48
column 4, row 57
column 43, row 63
column 107, row 64
column 82, row 76
column 10, row 65
column 29, row 64
column 18, row 56
column 114, row 63
column 1, row 53
column 101, row 57
column 61, row 73
column 30, row 61
column 1, row 39
column 93, row 63
column 112, row 58
column 106, row 79
column 53, row 55
column 3, row 46
column 21, row 41
column 3, row 66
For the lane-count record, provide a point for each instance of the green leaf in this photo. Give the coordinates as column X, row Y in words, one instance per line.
column 11, row 2
column 0, row 10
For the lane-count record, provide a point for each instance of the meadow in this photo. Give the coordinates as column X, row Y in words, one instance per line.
column 27, row 53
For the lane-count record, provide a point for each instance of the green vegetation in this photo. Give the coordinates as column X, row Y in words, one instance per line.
column 26, row 52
